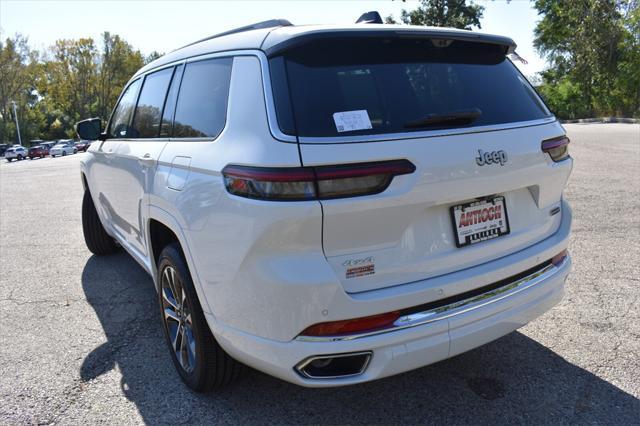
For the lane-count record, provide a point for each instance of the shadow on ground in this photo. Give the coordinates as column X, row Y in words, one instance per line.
column 514, row 379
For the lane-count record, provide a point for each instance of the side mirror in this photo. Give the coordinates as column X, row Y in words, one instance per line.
column 89, row 129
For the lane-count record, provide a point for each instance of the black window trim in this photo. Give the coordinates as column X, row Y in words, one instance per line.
column 183, row 65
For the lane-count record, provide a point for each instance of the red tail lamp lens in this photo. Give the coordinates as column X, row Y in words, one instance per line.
column 309, row 183
column 357, row 325
column 559, row 258
column 557, row 148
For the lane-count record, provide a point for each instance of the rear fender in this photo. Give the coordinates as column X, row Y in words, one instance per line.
column 172, row 223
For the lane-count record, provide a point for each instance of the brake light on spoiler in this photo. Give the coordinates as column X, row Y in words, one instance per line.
column 313, row 183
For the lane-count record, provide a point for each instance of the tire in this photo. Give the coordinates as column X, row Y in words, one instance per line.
column 209, row 367
column 9, row 159
column 75, row 151
column 19, row 157
column 95, row 237
column 64, row 153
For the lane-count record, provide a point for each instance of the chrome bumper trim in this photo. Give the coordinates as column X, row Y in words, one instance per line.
column 452, row 309
column 301, row 365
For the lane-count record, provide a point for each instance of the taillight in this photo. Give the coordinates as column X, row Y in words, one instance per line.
column 336, row 328
column 557, row 148
column 313, row 183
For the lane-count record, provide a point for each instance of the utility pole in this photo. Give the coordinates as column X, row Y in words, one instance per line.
column 15, row 115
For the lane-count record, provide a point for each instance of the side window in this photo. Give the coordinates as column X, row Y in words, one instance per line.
column 146, row 122
column 119, row 126
column 170, row 103
column 202, row 102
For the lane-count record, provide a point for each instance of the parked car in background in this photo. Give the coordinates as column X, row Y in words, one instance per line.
column 48, row 144
column 16, row 152
column 83, row 145
column 63, row 149
column 37, row 151
column 3, row 148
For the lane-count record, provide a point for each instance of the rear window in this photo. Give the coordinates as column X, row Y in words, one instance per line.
column 343, row 87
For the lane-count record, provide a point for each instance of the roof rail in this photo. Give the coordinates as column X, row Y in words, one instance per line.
column 271, row 23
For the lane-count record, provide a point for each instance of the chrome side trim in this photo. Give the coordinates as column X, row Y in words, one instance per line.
column 452, row 309
column 302, row 364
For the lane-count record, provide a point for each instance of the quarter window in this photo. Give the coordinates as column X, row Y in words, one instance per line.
column 119, row 126
column 202, row 102
column 146, row 123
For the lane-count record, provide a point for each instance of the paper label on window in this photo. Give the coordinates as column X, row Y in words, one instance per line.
column 348, row 121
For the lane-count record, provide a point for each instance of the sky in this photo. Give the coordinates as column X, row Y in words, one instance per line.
column 164, row 25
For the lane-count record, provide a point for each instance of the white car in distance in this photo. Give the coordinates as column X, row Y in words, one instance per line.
column 63, row 149
column 16, row 152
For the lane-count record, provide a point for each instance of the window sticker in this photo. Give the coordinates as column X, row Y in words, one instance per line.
column 348, row 121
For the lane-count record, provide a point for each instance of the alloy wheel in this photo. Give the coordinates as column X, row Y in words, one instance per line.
column 177, row 319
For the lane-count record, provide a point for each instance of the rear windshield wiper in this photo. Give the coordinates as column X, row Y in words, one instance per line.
column 447, row 119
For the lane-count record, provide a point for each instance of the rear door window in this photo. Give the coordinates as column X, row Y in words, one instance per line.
column 119, row 126
column 343, row 87
column 170, row 104
column 201, row 109
column 146, row 123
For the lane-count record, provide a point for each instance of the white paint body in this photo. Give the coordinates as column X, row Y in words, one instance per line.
column 265, row 270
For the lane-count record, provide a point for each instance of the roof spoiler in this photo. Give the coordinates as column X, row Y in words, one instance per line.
column 507, row 44
column 271, row 23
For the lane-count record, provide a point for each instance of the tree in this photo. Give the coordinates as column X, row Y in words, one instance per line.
column 592, row 49
column 118, row 62
column 18, row 67
column 442, row 13
column 71, row 77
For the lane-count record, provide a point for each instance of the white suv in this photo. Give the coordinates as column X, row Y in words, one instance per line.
column 16, row 152
column 333, row 204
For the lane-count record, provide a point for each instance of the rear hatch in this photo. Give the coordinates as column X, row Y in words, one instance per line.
column 461, row 113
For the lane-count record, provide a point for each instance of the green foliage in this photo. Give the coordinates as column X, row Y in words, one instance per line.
column 593, row 49
column 442, row 13
column 72, row 80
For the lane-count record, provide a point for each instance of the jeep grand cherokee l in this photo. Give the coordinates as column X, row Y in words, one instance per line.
column 333, row 204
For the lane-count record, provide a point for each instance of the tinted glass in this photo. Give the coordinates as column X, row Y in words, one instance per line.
column 397, row 82
column 202, row 102
column 170, row 104
column 146, row 123
column 119, row 126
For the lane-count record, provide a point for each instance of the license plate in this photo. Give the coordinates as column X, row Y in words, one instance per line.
column 480, row 221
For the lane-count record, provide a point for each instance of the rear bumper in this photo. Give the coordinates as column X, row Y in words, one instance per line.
column 402, row 350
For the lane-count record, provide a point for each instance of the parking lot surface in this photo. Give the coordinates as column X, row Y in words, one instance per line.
column 80, row 336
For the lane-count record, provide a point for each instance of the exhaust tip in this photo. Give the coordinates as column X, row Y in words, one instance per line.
column 334, row 366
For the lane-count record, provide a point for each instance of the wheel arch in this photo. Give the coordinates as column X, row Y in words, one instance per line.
column 162, row 229
column 85, row 184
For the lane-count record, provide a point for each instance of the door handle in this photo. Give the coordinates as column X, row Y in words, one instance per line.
column 146, row 160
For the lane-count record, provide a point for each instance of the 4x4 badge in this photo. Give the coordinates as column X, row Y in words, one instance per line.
column 493, row 157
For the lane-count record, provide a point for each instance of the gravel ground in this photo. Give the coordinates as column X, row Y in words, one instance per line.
column 80, row 341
